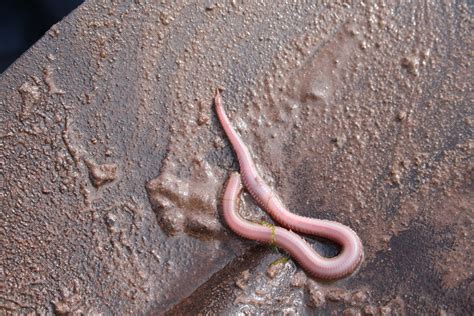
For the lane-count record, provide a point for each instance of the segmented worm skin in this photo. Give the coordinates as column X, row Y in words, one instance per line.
column 326, row 268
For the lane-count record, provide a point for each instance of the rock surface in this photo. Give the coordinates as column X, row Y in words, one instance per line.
column 112, row 159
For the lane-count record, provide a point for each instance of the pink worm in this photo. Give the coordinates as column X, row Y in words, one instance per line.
column 326, row 268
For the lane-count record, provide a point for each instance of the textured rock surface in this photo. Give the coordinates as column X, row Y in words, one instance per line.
column 112, row 160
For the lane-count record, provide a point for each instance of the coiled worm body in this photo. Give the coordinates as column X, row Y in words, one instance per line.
column 321, row 267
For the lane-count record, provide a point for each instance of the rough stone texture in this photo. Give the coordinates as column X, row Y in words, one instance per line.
column 112, row 160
